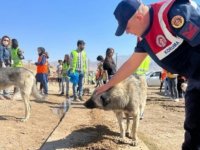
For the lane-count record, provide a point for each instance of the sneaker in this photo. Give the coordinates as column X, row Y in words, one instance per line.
column 81, row 98
column 62, row 93
column 176, row 100
column 75, row 99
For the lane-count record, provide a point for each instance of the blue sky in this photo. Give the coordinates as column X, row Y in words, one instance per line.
column 56, row 25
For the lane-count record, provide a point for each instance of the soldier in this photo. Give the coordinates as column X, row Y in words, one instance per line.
column 170, row 34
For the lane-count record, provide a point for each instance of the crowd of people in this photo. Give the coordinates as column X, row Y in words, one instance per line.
column 72, row 68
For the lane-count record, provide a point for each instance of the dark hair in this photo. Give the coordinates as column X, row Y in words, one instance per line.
column 109, row 59
column 5, row 36
column 14, row 43
column 109, row 50
column 60, row 61
column 66, row 55
column 68, row 62
column 80, row 42
column 100, row 58
column 42, row 49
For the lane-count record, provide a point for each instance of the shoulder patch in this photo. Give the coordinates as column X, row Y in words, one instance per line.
column 177, row 21
column 161, row 40
column 190, row 30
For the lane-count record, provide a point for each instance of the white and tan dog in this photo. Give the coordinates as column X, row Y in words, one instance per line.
column 24, row 79
column 128, row 98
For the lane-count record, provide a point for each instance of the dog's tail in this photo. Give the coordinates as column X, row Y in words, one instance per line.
column 36, row 93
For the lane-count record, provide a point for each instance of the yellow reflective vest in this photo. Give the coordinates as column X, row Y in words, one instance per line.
column 17, row 62
column 75, row 60
column 144, row 66
column 65, row 68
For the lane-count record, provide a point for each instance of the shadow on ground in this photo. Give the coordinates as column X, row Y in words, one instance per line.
column 45, row 102
column 3, row 118
column 82, row 138
column 6, row 117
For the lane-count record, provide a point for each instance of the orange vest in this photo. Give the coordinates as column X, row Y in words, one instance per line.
column 42, row 68
column 163, row 75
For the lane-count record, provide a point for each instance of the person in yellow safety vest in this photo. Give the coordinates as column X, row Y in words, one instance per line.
column 79, row 65
column 141, row 73
column 65, row 79
column 144, row 67
column 16, row 57
column 16, row 54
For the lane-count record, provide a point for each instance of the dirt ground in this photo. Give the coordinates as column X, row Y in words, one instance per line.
column 161, row 129
column 17, row 135
column 88, row 129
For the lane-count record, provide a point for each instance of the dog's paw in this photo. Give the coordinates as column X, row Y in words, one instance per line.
column 134, row 143
column 121, row 141
column 128, row 135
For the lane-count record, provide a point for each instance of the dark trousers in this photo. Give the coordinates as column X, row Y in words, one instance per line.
column 172, row 82
column 161, row 85
column 192, row 117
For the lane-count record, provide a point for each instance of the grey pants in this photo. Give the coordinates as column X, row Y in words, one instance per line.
column 65, row 80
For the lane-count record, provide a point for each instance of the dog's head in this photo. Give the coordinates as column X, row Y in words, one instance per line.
column 98, row 101
column 111, row 99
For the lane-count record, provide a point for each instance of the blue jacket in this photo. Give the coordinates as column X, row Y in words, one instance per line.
column 5, row 55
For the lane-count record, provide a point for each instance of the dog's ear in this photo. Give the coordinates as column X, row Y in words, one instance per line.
column 105, row 100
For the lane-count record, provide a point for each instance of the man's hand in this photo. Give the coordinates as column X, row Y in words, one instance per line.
column 102, row 89
column 125, row 71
